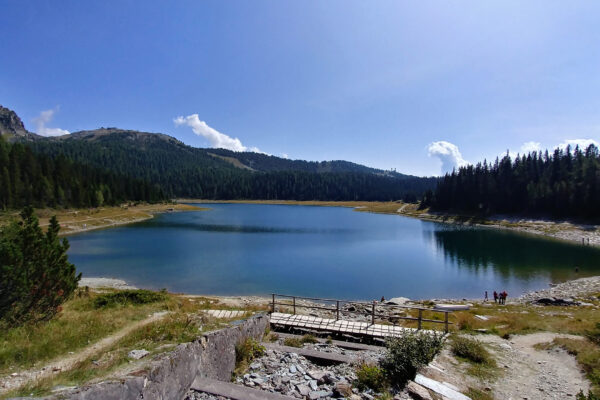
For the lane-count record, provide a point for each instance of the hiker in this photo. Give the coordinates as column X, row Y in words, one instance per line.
column 485, row 299
column 495, row 296
column 504, row 294
column 382, row 299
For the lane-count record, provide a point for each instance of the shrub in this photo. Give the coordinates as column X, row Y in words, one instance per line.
column 35, row 272
column 126, row 297
column 370, row 377
column 471, row 349
column 590, row 396
column 407, row 353
column 245, row 352
column 299, row 342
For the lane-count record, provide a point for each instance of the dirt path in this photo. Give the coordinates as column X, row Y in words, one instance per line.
column 525, row 373
column 63, row 363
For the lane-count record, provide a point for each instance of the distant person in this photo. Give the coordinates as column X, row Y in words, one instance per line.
column 504, row 295
column 382, row 299
column 495, row 296
column 485, row 299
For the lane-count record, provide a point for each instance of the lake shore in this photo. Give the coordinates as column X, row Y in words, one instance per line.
column 571, row 289
column 586, row 234
column 74, row 221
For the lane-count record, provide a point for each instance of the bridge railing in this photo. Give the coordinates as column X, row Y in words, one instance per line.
column 317, row 303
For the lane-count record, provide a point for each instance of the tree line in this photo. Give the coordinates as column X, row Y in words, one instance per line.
column 184, row 171
column 29, row 178
column 562, row 184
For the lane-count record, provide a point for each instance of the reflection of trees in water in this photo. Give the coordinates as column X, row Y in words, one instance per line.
column 511, row 254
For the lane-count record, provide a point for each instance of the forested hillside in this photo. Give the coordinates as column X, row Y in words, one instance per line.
column 563, row 184
column 184, row 171
column 27, row 178
column 158, row 166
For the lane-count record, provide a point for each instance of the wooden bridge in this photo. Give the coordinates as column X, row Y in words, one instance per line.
column 337, row 326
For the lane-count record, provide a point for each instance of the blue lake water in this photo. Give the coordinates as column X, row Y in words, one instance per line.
column 242, row 249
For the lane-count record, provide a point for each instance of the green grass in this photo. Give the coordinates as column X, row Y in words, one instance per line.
column 160, row 336
column 476, row 394
column 471, row 349
column 481, row 363
column 370, row 377
column 299, row 342
column 129, row 297
column 77, row 326
column 245, row 352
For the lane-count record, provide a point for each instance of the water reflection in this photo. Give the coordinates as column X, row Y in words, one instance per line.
column 511, row 255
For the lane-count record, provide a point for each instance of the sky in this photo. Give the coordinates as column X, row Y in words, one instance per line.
column 417, row 86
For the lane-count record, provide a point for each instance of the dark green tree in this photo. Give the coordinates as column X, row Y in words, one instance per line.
column 35, row 274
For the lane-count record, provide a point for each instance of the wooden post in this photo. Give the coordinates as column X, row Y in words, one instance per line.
column 273, row 304
column 294, row 301
column 446, row 320
column 337, row 310
column 420, row 318
column 373, row 314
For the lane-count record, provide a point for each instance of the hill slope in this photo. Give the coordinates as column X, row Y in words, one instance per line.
column 184, row 171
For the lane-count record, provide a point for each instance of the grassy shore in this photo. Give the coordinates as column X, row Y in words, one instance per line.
column 81, row 220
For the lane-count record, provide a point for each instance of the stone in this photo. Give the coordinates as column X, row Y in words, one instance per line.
column 317, row 394
column 304, row 390
column 293, row 369
column 137, row 354
column 342, row 389
column 398, row 301
column 317, row 375
column 313, row 385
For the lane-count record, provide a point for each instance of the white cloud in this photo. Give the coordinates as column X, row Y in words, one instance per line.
column 529, row 147
column 44, row 118
column 582, row 143
column 285, row 155
column 448, row 154
column 214, row 137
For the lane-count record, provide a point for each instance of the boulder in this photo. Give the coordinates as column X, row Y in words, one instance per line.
column 398, row 301
column 417, row 391
column 137, row 354
column 342, row 389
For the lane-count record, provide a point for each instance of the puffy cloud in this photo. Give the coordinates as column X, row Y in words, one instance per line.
column 582, row 143
column 214, row 137
column 44, row 118
column 529, row 147
column 285, row 155
column 448, row 154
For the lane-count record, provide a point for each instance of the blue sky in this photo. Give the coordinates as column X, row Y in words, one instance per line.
column 414, row 85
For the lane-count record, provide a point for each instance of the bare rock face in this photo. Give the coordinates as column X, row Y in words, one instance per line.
column 11, row 125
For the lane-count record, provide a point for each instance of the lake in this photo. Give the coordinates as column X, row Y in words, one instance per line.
column 253, row 249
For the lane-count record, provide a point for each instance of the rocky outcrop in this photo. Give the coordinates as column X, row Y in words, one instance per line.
column 11, row 125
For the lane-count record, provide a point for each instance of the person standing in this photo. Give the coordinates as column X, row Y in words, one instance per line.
column 504, row 294
column 485, row 299
column 495, row 296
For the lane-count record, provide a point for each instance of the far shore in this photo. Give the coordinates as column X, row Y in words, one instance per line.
column 574, row 232
column 74, row 221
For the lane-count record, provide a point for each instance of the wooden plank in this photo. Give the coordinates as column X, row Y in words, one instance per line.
column 329, row 358
column 233, row 391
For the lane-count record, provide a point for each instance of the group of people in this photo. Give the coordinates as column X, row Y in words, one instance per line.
column 499, row 298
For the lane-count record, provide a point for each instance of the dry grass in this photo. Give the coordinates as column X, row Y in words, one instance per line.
column 81, row 324
column 76, row 220
column 522, row 319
